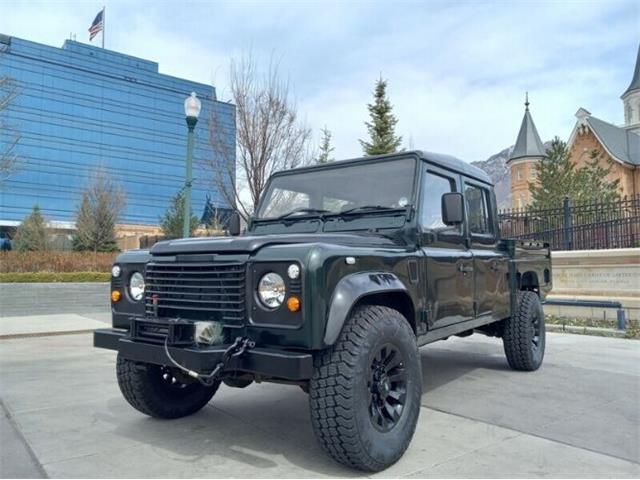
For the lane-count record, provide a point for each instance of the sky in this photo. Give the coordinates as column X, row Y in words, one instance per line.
column 457, row 71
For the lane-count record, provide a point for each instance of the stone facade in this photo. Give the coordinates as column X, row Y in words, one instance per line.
column 585, row 142
column 612, row 275
column 523, row 171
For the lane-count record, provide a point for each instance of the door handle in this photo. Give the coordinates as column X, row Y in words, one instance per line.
column 464, row 269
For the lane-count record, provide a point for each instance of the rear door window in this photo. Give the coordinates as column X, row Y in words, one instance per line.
column 478, row 217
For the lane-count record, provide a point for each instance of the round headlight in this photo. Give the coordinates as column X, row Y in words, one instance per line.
column 136, row 286
column 116, row 271
column 271, row 290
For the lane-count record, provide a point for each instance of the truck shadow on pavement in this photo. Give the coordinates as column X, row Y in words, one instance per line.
column 263, row 429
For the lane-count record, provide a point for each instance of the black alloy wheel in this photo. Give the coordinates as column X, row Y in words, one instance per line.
column 387, row 387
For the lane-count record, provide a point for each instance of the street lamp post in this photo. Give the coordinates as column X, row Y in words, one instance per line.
column 191, row 110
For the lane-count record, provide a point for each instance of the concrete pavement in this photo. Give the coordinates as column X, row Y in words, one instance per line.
column 18, row 299
column 576, row 417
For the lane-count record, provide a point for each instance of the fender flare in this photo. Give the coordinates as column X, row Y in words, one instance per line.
column 351, row 289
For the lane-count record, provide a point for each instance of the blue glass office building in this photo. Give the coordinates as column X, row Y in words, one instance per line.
column 80, row 108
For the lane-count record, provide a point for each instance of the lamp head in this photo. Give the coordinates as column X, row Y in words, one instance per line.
column 192, row 106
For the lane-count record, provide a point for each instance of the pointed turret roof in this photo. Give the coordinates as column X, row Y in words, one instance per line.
column 528, row 143
column 635, row 81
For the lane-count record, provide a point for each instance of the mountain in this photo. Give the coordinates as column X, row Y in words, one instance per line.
column 496, row 168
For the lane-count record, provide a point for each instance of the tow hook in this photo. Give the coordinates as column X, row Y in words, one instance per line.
column 236, row 349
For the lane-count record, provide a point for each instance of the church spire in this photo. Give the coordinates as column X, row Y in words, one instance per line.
column 635, row 81
column 528, row 143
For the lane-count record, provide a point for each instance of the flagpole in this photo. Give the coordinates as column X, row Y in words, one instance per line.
column 104, row 23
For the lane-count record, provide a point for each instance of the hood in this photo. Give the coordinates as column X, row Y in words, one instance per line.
column 250, row 244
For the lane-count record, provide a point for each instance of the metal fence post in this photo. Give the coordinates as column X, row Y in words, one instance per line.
column 621, row 319
column 567, row 224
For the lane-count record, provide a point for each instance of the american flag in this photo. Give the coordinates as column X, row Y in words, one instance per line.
column 97, row 25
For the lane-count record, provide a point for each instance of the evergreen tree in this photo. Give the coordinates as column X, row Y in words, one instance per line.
column 172, row 220
column 593, row 182
column 558, row 177
column 99, row 210
column 31, row 235
column 381, row 128
column 555, row 176
column 325, row 147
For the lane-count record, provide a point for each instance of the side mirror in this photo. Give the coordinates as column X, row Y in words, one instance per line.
column 233, row 224
column 452, row 208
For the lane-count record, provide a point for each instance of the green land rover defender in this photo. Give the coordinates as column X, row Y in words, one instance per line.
column 343, row 272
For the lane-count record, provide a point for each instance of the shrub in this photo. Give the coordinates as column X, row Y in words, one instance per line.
column 49, row 277
column 32, row 233
column 56, row 262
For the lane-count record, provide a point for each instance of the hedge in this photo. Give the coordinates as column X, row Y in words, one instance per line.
column 49, row 277
column 51, row 261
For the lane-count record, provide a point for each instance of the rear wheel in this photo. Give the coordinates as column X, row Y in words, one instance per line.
column 160, row 391
column 365, row 391
column 524, row 334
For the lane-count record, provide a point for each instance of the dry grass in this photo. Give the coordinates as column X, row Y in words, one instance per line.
column 58, row 262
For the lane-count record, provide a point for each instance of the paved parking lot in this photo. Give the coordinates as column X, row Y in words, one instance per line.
column 576, row 417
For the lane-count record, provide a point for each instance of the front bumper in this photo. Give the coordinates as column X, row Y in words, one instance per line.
column 278, row 364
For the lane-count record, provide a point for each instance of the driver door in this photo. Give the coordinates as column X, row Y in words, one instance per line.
column 447, row 264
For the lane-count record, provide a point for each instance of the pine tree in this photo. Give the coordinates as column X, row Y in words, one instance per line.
column 99, row 210
column 558, row 177
column 172, row 220
column 555, row 176
column 325, row 147
column 381, row 128
column 31, row 235
column 592, row 179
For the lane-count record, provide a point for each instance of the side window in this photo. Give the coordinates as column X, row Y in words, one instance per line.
column 477, row 209
column 431, row 209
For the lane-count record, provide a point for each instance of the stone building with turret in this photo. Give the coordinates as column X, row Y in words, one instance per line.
column 527, row 152
column 617, row 146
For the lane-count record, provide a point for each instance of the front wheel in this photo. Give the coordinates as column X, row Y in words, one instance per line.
column 160, row 391
column 524, row 334
column 365, row 391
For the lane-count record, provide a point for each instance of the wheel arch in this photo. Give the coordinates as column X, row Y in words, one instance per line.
column 528, row 281
column 367, row 288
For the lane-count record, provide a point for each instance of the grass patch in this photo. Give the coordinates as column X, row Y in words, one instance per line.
column 589, row 324
column 51, row 277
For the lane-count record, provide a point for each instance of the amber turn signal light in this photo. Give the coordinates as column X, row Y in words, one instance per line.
column 115, row 296
column 293, row 304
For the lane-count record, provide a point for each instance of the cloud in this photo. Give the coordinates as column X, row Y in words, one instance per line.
column 457, row 71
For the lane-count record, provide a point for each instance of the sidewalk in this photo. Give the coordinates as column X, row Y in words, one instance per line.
column 30, row 325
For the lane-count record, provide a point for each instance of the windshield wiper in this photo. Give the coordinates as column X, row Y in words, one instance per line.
column 302, row 210
column 366, row 208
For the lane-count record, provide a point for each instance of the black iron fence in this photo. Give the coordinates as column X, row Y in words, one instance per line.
column 577, row 227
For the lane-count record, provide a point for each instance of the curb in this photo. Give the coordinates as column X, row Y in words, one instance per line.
column 602, row 332
column 44, row 334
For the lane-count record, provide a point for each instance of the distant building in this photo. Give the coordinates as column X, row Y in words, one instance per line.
column 617, row 144
column 527, row 152
column 80, row 108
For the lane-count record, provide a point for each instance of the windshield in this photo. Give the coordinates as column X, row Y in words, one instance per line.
column 387, row 184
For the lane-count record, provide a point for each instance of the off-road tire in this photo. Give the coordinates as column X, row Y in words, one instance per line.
column 143, row 385
column 340, row 395
column 520, row 332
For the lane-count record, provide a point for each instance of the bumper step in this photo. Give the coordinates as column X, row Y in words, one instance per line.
column 272, row 363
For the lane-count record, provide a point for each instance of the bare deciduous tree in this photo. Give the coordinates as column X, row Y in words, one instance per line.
column 270, row 136
column 100, row 207
column 8, row 139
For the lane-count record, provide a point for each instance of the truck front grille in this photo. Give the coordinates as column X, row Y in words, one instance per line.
column 198, row 291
